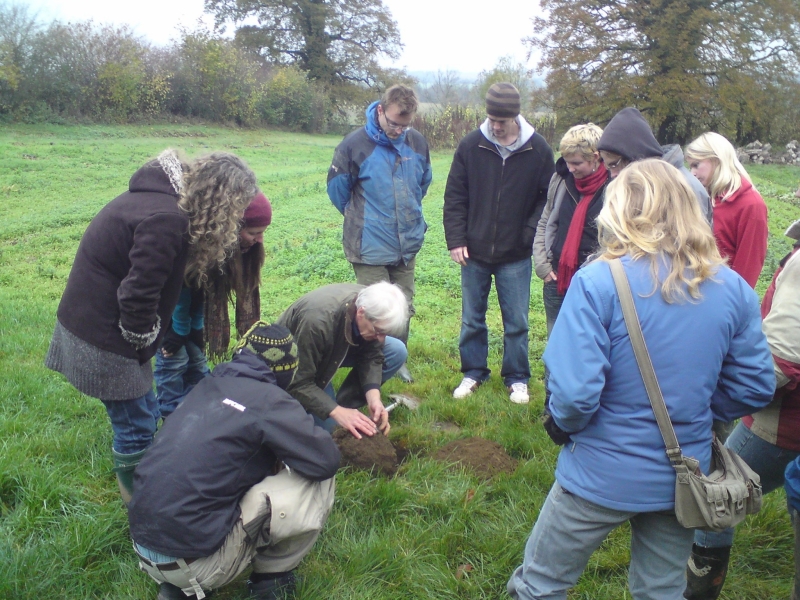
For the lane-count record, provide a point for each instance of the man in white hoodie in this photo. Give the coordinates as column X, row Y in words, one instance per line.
column 496, row 190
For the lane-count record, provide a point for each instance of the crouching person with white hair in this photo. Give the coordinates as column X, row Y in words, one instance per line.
column 239, row 475
column 348, row 325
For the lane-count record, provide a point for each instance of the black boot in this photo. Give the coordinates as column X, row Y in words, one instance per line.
column 272, row 586
column 705, row 573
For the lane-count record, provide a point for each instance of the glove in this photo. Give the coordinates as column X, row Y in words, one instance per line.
column 172, row 341
column 196, row 337
column 558, row 435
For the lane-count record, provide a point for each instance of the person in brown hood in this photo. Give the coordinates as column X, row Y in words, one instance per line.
column 177, row 220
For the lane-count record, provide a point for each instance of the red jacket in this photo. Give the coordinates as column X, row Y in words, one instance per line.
column 740, row 228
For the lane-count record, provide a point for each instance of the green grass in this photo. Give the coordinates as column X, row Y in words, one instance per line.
column 63, row 530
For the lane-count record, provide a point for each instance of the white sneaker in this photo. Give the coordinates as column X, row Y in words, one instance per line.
column 518, row 393
column 466, row 387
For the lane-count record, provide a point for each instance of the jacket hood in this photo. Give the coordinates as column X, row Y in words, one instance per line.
column 526, row 131
column 246, row 364
column 673, row 154
column 630, row 136
column 561, row 168
column 374, row 131
column 163, row 175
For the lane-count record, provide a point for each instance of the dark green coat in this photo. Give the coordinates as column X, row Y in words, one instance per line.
column 322, row 325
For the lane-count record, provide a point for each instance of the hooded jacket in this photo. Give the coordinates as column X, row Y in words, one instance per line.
column 378, row 184
column 629, row 135
column 492, row 204
column 128, row 271
column 226, row 436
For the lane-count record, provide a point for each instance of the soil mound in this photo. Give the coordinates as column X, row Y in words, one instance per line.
column 484, row 457
column 374, row 453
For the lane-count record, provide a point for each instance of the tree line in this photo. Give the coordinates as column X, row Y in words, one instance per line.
column 312, row 65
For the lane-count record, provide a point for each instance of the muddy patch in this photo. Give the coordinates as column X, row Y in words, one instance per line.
column 374, row 453
column 483, row 457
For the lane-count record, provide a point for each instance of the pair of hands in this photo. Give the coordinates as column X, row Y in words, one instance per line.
column 358, row 423
column 173, row 342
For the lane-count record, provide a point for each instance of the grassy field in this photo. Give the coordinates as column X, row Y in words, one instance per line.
column 63, row 529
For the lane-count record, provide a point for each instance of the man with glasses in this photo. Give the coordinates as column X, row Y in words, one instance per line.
column 347, row 325
column 628, row 138
column 377, row 180
column 494, row 197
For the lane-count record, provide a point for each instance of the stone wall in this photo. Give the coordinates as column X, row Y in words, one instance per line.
column 763, row 154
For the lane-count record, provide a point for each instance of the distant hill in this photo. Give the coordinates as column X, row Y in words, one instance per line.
column 427, row 78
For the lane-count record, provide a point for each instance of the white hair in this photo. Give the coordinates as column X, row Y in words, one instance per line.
column 385, row 306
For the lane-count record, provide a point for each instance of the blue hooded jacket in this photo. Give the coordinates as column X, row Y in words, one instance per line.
column 378, row 185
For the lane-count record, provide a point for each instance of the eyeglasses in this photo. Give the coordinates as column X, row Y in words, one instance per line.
column 615, row 164
column 394, row 126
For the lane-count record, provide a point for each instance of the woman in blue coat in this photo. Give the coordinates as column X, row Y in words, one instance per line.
column 703, row 331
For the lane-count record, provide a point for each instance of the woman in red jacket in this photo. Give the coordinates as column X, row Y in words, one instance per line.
column 740, row 215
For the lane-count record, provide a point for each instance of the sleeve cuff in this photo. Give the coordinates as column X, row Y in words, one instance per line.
column 141, row 340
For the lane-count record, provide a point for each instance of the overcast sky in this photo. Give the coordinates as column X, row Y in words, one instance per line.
column 438, row 34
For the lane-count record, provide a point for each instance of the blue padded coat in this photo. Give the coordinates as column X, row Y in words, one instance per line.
column 378, row 185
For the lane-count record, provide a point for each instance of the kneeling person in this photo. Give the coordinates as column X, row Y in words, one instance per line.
column 347, row 325
column 238, row 450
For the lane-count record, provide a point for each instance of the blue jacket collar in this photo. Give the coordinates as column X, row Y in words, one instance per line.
column 374, row 130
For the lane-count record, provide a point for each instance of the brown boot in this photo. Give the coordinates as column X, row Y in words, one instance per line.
column 705, row 573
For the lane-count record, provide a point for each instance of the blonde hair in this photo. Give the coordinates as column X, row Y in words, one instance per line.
column 650, row 211
column 581, row 139
column 728, row 170
column 217, row 189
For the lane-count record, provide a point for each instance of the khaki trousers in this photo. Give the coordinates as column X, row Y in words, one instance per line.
column 281, row 519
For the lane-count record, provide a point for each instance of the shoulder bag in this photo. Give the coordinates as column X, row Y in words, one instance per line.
column 731, row 490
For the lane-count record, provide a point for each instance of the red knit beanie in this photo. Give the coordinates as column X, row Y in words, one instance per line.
column 259, row 213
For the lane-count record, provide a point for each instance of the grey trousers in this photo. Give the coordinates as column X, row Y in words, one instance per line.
column 401, row 275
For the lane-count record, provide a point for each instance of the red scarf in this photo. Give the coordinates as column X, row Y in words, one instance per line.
column 568, row 263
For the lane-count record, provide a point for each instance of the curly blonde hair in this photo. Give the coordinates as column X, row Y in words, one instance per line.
column 217, row 189
column 650, row 211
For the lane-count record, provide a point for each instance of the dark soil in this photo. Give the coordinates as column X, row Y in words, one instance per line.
column 374, row 453
column 484, row 457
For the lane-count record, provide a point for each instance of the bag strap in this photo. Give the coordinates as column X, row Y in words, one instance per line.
column 644, row 362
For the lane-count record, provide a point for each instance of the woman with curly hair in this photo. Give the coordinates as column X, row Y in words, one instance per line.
column 177, row 219
column 200, row 321
column 702, row 325
column 740, row 214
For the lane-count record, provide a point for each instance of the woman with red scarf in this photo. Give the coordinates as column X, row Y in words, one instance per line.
column 567, row 233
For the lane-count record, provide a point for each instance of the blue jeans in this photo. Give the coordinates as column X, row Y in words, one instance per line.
column 176, row 375
column 513, row 284
column 350, row 392
column 133, row 422
column 552, row 306
column 569, row 529
column 768, row 460
column 552, row 303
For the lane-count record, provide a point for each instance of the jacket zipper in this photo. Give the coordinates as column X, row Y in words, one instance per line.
column 497, row 200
